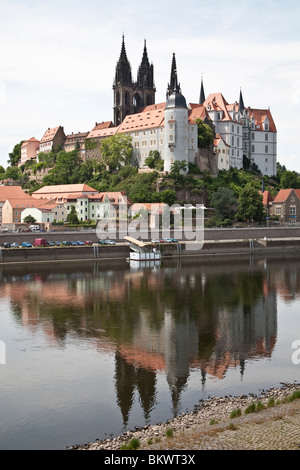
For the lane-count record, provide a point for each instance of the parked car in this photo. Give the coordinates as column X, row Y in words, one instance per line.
column 15, row 245
column 74, row 243
column 155, row 240
column 110, row 242
column 66, row 243
column 50, row 244
column 6, row 245
column 57, row 243
column 88, row 242
column 79, row 242
column 26, row 245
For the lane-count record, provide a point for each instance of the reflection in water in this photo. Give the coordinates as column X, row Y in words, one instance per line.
column 168, row 319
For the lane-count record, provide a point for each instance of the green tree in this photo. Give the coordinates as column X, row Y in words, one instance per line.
column 66, row 169
column 72, row 217
column 117, row 151
column 250, row 204
column 289, row 179
column 205, row 134
column 154, row 160
column 15, row 155
column 29, row 219
column 224, row 202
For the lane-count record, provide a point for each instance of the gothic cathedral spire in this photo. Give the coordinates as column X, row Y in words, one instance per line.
column 202, row 94
column 129, row 97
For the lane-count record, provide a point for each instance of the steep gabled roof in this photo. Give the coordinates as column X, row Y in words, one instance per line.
column 259, row 115
column 282, row 195
column 50, row 134
column 217, row 102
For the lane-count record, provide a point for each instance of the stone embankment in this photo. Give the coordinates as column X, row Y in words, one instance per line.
column 274, row 425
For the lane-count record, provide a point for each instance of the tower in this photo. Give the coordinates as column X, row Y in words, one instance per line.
column 176, row 127
column 202, row 94
column 130, row 96
column 173, row 77
column 144, row 92
column 123, row 88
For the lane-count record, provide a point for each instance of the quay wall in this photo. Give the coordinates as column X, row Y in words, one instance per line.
column 230, row 247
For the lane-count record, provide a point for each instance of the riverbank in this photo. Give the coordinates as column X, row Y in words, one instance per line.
column 269, row 421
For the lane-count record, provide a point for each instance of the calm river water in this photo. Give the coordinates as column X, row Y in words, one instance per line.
column 91, row 350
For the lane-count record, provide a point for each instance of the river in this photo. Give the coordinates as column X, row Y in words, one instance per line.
column 89, row 350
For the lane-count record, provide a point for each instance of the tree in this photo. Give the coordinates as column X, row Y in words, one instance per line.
column 288, row 179
column 251, row 204
column 224, row 202
column 72, row 217
column 205, row 134
column 154, row 160
column 29, row 219
column 66, row 169
column 117, row 151
column 15, row 155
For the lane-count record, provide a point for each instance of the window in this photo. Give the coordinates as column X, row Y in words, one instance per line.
column 266, row 149
column 278, row 210
column 266, row 137
column 253, row 148
column 292, row 210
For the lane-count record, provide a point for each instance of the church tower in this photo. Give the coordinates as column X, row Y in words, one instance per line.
column 123, row 88
column 144, row 89
column 131, row 96
column 176, row 127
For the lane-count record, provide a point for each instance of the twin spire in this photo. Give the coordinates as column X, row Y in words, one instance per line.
column 145, row 74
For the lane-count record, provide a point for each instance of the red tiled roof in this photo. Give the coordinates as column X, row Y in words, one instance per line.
column 259, row 116
column 282, row 195
column 145, row 120
column 12, row 192
column 217, row 102
column 64, row 189
column 101, row 133
column 103, row 125
column 49, row 134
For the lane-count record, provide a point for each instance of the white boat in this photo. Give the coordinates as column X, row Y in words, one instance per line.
column 143, row 251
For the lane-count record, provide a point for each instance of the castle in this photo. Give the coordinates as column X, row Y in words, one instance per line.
column 242, row 134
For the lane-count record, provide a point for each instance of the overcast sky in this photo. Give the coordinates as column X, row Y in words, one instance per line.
column 58, row 58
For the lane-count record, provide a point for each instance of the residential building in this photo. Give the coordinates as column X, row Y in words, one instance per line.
column 29, row 150
column 286, row 206
column 61, row 193
column 13, row 208
column 45, row 212
column 10, row 192
column 53, row 138
column 75, row 141
column 93, row 140
column 222, row 150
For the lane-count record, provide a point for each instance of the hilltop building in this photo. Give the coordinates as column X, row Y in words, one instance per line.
column 242, row 134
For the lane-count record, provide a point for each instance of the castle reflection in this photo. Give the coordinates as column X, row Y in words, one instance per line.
column 168, row 320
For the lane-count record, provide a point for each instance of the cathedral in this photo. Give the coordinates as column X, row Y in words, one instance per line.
column 242, row 134
column 130, row 96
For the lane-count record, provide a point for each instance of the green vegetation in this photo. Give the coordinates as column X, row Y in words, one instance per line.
column 169, row 433
column 134, row 444
column 235, row 413
column 29, row 219
column 231, row 196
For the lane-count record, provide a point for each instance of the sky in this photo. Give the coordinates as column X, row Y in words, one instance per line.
column 58, row 59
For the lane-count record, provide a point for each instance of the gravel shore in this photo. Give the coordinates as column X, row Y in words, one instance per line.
column 210, row 425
